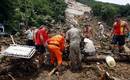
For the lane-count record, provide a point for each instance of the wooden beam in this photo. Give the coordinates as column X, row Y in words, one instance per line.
column 118, row 58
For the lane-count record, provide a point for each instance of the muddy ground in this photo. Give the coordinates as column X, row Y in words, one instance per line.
column 89, row 71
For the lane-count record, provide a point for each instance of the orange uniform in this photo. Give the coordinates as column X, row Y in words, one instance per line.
column 56, row 46
column 119, row 28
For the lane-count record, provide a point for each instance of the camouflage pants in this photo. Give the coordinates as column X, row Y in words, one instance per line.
column 75, row 55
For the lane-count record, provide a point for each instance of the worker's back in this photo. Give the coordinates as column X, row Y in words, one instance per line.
column 57, row 40
column 41, row 32
column 73, row 35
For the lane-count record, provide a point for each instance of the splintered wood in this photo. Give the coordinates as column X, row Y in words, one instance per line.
column 52, row 71
column 104, row 75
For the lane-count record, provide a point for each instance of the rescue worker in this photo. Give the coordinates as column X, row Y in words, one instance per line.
column 56, row 47
column 41, row 39
column 29, row 34
column 118, row 33
column 73, row 37
column 101, row 30
column 87, row 32
column 89, row 48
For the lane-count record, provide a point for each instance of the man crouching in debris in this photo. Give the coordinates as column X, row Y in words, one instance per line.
column 41, row 39
column 56, row 47
column 73, row 36
column 29, row 34
column 89, row 48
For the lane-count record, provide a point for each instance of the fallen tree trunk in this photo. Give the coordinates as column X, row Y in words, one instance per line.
column 118, row 58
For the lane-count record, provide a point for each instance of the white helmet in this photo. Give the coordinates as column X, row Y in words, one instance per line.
column 110, row 61
column 99, row 22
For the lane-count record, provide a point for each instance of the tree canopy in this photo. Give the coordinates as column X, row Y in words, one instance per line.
column 107, row 11
column 31, row 12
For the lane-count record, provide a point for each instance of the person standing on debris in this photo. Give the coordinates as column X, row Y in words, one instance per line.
column 29, row 34
column 73, row 37
column 101, row 30
column 41, row 39
column 56, row 47
column 118, row 32
column 87, row 32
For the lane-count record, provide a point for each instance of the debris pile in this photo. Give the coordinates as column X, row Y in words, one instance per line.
column 94, row 67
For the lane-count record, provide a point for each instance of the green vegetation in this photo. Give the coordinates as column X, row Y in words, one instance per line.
column 31, row 12
column 107, row 11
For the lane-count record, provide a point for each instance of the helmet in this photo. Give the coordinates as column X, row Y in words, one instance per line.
column 110, row 61
column 99, row 22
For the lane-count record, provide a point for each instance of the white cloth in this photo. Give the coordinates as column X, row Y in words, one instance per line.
column 89, row 46
column 29, row 34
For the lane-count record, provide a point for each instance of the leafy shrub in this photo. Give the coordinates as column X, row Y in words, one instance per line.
column 31, row 12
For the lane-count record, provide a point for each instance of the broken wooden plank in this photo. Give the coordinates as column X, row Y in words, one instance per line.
column 52, row 71
column 12, row 39
column 11, row 76
column 104, row 75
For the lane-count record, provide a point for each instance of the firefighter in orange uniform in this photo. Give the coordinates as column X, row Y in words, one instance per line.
column 55, row 47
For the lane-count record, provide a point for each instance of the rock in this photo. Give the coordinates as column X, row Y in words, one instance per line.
column 127, row 50
column 75, row 9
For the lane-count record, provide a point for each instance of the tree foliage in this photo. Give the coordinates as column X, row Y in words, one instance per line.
column 107, row 11
column 31, row 12
column 6, row 9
